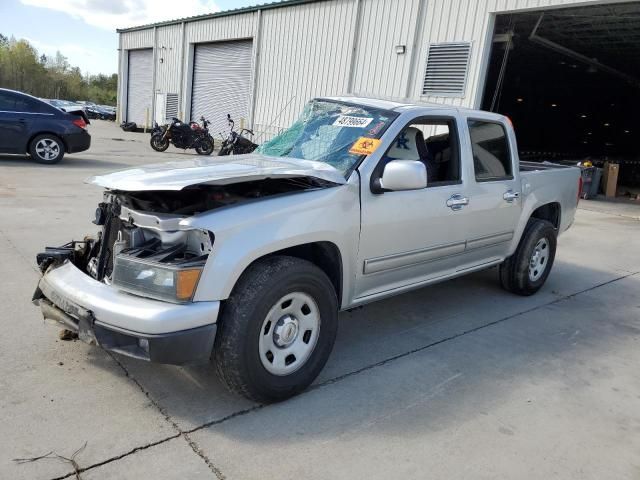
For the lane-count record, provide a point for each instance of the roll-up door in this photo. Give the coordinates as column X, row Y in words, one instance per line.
column 221, row 83
column 139, row 94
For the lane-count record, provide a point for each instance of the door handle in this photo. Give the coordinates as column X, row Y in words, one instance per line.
column 510, row 195
column 457, row 201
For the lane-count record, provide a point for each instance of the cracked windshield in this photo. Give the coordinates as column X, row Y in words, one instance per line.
column 331, row 132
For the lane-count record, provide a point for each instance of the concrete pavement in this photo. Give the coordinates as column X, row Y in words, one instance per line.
column 458, row 380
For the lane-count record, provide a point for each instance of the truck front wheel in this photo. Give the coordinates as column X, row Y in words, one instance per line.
column 277, row 329
column 527, row 269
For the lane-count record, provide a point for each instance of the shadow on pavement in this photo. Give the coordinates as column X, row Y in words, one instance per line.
column 368, row 336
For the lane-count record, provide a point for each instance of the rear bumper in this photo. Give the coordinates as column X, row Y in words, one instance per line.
column 127, row 324
column 77, row 142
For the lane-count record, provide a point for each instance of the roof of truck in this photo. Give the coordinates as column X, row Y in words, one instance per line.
column 389, row 103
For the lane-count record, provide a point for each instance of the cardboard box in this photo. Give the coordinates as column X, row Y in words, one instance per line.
column 610, row 179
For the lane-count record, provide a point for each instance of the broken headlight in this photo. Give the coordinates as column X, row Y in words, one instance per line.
column 170, row 283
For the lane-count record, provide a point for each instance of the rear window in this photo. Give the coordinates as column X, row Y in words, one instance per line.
column 490, row 147
column 10, row 102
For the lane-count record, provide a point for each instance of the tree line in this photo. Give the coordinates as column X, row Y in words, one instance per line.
column 23, row 69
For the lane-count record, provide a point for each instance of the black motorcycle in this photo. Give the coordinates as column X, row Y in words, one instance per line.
column 183, row 135
column 236, row 143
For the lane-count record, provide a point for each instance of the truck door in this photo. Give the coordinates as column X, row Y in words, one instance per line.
column 411, row 237
column 495, row 189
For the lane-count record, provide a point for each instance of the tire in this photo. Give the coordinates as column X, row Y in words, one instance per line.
column 46, row 149
column 225, row 149
column 254, row 320
column 158, row 143
column 523, row 274
column 205, row 147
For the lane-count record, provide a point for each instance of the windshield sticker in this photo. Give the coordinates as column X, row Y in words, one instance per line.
column 376, row 128
column 365, row 146
column 349, row 121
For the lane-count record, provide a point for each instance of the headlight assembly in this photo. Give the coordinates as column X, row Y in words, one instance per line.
column 170, row 283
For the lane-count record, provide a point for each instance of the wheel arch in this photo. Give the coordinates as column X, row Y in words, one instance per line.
column 323, row 254
column 551, row 212
column 46, row 132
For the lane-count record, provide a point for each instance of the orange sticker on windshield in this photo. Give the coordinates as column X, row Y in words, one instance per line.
column 364, row 146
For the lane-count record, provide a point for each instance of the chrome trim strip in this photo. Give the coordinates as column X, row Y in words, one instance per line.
column 407, row 259
column 430, row 254
column 421, row 283
column 27, row 113
column 489, row 240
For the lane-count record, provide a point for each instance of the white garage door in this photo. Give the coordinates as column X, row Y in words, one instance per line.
column 221, row 83
column 139, row 86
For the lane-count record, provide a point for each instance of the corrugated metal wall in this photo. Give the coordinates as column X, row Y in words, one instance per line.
column 305, row 51
column 384, row 24
column 137, row 39
column 222, row 28
column 324, row 48
column 168, row 56
column 467, row 20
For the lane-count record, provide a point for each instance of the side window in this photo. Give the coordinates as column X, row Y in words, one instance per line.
column 17, row 103
column 26, row 104
column 490, row 147
column 433, row 142
column 7, row 102
column 23, row 105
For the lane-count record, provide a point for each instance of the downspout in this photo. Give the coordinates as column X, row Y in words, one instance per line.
column 256, row 68
column 354, row 45
column 119, row 87
column 153, row 78
column 181, row 95
column 417, row 34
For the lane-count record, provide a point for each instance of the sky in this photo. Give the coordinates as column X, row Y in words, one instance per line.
column 85, row 30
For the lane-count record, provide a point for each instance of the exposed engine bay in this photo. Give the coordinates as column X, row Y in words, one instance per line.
column 144, row 226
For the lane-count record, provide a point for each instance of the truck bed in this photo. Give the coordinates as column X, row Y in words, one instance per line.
column 540, row 166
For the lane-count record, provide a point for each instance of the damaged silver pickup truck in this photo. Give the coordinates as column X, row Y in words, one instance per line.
column 246, row 260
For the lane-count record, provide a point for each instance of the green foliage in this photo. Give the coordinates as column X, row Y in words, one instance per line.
column 21, row 68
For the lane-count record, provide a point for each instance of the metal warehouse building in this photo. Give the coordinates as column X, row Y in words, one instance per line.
column 567, row 72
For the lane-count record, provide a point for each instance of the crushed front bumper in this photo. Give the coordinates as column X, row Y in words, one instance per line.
column 127, row 324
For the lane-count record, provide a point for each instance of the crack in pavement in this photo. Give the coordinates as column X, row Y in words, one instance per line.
column 466, row 332
column 218, row 473
column 118, row 457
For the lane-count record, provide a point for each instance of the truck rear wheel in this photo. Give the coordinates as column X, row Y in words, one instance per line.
column 527, row 269
column 277, row 329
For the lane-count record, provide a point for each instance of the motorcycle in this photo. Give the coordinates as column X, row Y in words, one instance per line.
column 183, row 135
column 236, row 143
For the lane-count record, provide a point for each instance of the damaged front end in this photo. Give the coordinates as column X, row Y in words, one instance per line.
column 130, row 287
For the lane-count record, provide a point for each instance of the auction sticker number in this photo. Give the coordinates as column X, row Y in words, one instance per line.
column 349, row 121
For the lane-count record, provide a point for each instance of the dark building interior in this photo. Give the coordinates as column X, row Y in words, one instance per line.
column 569, row 79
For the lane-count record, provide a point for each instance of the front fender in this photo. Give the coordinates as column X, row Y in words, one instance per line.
column 250, row 231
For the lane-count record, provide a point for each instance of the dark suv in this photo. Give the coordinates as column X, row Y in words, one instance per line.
column 29, row 125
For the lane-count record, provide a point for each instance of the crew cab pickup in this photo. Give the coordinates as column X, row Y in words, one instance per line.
column 247, row 260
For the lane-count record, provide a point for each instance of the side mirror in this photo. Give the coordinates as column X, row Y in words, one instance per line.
column 404, row 175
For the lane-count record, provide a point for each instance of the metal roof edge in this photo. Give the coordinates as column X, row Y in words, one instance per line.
column 224, row 13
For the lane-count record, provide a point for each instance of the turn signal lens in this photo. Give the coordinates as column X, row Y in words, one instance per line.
column 186, row 282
